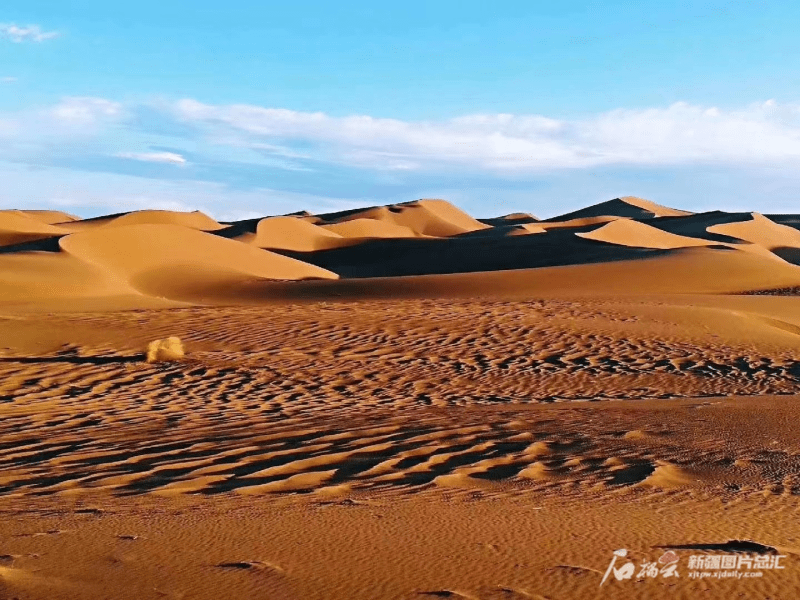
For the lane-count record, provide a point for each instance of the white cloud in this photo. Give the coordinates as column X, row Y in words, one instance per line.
column 29, row 33
column 679, row 134
column 85, row 110
column 156, row 157
column 7, row 79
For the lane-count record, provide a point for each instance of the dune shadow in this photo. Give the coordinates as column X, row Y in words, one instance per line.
column 49, row 244
column 75, row 360
column 787, row 253
column 747, row 546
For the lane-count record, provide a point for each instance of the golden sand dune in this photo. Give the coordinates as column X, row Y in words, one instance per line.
column 190, row 220
column 177, row 262
column 17, row 227
column 291, row 233
column 426, row 248
column 369, row 227
column 398, row 402
column 51, row 217
column 436, row 218
column 762, row 231
column 627, row 206
column 625, row 232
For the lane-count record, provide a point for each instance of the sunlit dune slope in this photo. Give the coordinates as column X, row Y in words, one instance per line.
column 191, row 220
column 181, row 263
column 17, row 227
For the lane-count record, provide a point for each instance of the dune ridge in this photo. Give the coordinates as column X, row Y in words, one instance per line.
column 422, row 248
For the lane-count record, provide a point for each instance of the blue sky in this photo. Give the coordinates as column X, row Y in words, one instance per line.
column 253, row 108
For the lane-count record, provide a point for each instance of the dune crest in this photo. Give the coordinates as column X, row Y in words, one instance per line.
column 625, row 232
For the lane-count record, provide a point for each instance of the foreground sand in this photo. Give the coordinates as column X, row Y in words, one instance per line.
column 405, row 448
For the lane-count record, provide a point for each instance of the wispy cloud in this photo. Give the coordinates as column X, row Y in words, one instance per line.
column 678, row 134
column 7, row 79
column 156, row 157
column 84, row 110
column 27, row 33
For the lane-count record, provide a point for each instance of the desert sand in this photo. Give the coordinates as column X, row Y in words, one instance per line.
column 398, row 402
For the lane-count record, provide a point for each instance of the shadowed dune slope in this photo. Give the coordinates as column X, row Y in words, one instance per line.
column 510, row 219
column 506, row 230
column 627, row 206
column 465, row 253
column 683, row 271
column 17, row 227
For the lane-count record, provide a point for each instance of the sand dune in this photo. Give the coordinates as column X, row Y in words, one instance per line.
column 396, row 402
column 519, row 218
column 369, row 227
column 178, row 263
column 683, row 271
column 760, row 230
column 291, row 233
column 436, row 218
column 50, row 217
column 17, row 227
column 191, row 220
column 625, row 232
column 627, row 206
column 188, row 257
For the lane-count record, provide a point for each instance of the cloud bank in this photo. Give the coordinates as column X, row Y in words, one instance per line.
column 246, row 158
column 678, row 134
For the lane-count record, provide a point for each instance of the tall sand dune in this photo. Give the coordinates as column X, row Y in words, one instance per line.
column 626, row 206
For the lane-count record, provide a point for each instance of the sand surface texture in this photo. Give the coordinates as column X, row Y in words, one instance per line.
column 400, row 402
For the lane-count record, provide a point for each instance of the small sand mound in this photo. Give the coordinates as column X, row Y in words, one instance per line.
column 667, row 475
column 165, row 350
